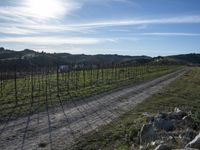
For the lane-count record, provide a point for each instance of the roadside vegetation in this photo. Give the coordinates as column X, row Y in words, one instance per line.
column 123, row 132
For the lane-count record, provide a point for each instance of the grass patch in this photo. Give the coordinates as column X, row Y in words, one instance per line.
column 121, row 133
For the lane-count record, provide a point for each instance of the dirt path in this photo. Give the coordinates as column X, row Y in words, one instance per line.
column 57, row 128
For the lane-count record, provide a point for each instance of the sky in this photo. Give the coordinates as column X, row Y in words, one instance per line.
column 125, row 27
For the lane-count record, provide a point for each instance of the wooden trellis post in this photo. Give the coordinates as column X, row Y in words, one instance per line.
column 15, row 86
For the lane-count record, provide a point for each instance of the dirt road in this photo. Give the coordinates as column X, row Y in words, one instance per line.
column 58, row 128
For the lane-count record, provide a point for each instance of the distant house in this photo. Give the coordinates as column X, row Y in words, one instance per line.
column 63, row 68
column 79, row 66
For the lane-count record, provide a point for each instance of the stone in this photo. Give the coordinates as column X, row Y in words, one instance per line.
column 186, row 149
column 177, row 114
column 188, row 122
column 161, row 115
column 142, row 147
column 156, row 143
column 178, row 124
column 189, row 134
column 171, row 140
column 176, row 109
column 132, row 147
column 163, row 147
column 195, row 143
column 147, row 133
column 164, row 124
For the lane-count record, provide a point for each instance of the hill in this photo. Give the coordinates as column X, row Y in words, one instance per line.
column 26, row 58
column 187, row 58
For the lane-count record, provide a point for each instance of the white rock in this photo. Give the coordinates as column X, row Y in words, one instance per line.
column 132, row 147
column 147, row 133
column 142, row 147
column 176, row 109
column 162, row 147
column 195, row 143
column 186, row 149
column 156, row 143
column 188, row 121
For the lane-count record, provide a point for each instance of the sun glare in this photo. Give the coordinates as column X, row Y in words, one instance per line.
column 45, row 8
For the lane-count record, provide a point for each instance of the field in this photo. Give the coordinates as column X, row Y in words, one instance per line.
column 54, row 121
column 120, row 134
column 24, row 93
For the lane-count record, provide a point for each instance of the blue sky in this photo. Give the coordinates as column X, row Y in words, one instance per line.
column 127, row 27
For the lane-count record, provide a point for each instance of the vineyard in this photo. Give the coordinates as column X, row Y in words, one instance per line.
column 25, row 93
column 22, row 92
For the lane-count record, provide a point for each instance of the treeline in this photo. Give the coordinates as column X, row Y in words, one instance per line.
column 27, row 58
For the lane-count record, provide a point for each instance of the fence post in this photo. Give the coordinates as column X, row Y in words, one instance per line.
column 68, row 80
column 91, row 75
column 15, row 86
column 57, row 79
column 102, row 74
column 1, row 84
column 84, row 77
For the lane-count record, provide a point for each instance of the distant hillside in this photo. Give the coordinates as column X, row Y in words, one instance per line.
column 183, row 59
column 187, row 58
column 27, row 58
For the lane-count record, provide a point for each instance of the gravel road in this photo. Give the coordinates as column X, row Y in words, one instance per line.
column 58, row 128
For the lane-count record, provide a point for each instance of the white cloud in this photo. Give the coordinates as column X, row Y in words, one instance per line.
column 119, row 30
column 55, row 40
column 170, row 20
column 83, row 27
column 15, row 30
column 29, row 10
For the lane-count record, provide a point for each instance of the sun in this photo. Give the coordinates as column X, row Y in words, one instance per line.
column 45, row 8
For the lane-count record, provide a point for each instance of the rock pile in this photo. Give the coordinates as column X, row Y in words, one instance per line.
column 166, row 131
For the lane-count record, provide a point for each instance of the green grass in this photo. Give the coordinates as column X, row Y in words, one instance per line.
column 121, row 133
column 71, row 87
